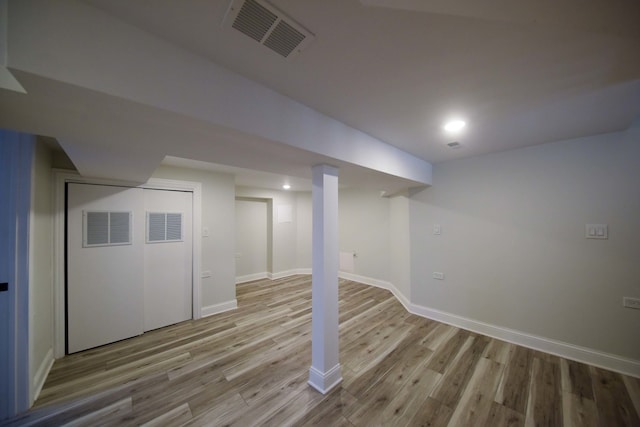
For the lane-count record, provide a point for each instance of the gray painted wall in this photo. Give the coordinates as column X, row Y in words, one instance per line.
column 364, row 228
column 400, row 244
column 303, row 230
column 251, row 237
column 513, row 246
column 283, row 249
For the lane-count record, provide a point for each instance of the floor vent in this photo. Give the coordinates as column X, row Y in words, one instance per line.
column 268, row 26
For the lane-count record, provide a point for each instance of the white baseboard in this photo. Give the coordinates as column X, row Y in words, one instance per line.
column 590, row 356
column 273, row 276
column 378, row 284
column 364, row 279
column 288, row 273
column 219, row 308
column 41, row 375
column 251, row 277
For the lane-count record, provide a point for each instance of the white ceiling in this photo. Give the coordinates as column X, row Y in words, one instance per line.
column 520, row 73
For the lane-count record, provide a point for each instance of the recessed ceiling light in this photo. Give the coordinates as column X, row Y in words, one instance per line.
column 286, row 186
column 454, row 126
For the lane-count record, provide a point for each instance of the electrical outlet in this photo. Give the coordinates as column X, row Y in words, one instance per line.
column 437, row 275
column 205, row 274
column 631, row 303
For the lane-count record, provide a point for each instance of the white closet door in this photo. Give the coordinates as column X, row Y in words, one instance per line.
column 167, row 258
column 104, row 282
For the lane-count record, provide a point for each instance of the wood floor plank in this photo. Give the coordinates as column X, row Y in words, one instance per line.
column 612, row 398
column 250, row 366
column 514, row 386
column 502, row 416
column 633, row 388
column 455, row 379
column 544, row 407
column 446, row 351
column 441, row 333
column 330, row 411
column 270, row 403
column 431, row 414
column 280, row 372
column 383, row 343
column 476, row 401
column 106, row 379
column 152, row 402
column 372, row 403
column 102, row 416
column 219, row 411
column 358, row 384
column 499, row 351
column 578, row 411
column 177, row 416
column 272, row 354
column 411, row 396
column 576, row 378
column 291, row 413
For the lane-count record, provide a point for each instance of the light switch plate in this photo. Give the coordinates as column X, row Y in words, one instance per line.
column 437, row 229
column 596, row 231
column 437, row 275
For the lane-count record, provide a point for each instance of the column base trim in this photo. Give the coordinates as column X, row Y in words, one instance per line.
column 324, row 382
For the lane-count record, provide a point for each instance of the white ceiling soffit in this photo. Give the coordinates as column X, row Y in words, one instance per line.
column 267, row 25
column 244, row 177
column 7, row 81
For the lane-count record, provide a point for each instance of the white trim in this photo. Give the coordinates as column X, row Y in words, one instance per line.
column 289, row 273
column 324, row 382
column 210, row 310
column 251, row 277
column 61, row 177
column 378, row 284
column 273, row 276
column 559, row 348
column 42, row 373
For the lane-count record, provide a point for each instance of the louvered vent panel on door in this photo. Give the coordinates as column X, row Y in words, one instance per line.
column 164, row 227
column 174, row 226
column 267, row 25
column 96, row 228
column 104, row 228
column 119, row 228
column 156, row 227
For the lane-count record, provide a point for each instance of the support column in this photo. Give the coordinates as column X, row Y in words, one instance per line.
column 325, row 372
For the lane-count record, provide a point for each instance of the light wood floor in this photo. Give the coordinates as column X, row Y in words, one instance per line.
column 250, row 367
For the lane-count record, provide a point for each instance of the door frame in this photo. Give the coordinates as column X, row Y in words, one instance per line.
column 61, row 178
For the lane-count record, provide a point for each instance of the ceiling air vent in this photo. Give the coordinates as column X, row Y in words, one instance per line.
column 454, row 144
column 268, row 26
